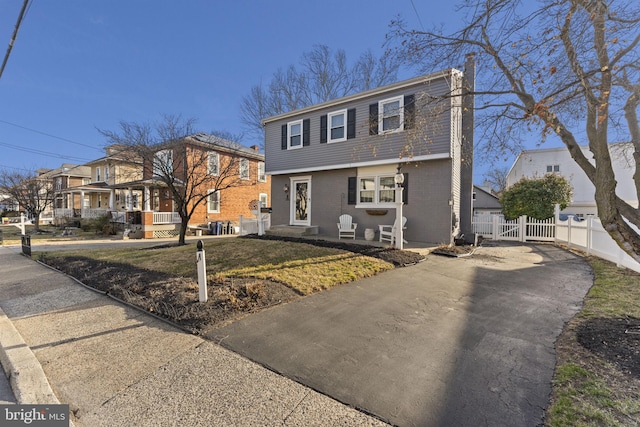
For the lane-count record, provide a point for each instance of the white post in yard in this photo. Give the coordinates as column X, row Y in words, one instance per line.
column 399, row 238
column 259, row 217
column 201, row 266
column 22, row 226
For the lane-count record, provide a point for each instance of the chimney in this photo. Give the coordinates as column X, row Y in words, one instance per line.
column 466, row 178
column 255, row 148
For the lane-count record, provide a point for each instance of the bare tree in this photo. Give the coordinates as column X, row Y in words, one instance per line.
column 323, row 75
column 497, row 180
column 32, row 192
column 182, row 161
column 567, row 68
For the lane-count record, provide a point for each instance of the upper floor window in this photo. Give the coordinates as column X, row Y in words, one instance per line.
column 106, row 173
column 86, row 181
column 244, row 169
column 213, row 166
column 390, row 114
column 337, row 126
column 295, row 134
column 58, row 183
column 213, row 202
column 163, row 163
column 262, row 176
column 98, row 177
column 553, row 168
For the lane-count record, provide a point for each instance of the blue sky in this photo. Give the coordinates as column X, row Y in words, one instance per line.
column 78, row 65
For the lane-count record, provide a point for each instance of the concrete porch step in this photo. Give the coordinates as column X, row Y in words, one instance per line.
column 293, row 230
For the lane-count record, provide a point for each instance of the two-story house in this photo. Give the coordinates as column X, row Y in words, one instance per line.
column 68, row 203
column 218, row 178
column 341, row 157
column 537, row 163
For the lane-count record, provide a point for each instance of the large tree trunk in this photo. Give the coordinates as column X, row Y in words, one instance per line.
column 184, row 223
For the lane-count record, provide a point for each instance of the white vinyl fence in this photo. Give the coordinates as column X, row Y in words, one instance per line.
column 587, row 235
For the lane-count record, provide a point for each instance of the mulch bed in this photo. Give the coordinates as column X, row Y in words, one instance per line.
column 615, row 340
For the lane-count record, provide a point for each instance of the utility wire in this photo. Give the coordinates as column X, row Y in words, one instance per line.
column 51, row 136
column 13, row 37
column 45, row 153
column 417, row 15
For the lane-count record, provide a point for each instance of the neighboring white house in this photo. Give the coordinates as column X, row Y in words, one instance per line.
column 537, row 163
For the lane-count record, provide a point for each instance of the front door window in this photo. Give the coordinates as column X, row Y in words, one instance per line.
column 301, row 200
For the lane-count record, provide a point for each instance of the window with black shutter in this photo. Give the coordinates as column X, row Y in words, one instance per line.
column 352, row 190
column 373, row 119
column 409, row 111
column 351, row 123
column 306, row 132
column 323, row 129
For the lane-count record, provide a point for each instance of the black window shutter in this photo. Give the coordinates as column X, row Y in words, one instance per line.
column 306, row 132
column 409, row 111
column 284, row 137
column 405, row 189
column 351, row 123
column 323, row 129
column 352, row 190
column 373, row 119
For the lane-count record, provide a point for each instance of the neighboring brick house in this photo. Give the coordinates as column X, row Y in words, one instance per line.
column 227, row 175
column 341, row 157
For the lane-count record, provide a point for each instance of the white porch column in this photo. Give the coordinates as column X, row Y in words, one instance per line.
column 112, row 198
column 129, row 203
column 81, row 203
column 147, row 199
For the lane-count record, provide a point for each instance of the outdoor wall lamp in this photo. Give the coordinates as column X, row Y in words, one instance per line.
column 399, row 177
column 286, row 190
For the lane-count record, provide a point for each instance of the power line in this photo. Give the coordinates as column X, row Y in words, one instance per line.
column 13, row 36
column 51, row 136
column 44, row 153
column 417, row 15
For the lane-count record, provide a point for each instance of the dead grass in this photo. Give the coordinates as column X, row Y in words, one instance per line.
column 303, row 267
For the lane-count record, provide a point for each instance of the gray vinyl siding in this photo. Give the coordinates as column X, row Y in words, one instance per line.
column 428, row 212
column 431, row 136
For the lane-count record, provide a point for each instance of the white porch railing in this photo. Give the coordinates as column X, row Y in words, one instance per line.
column 166, row 218
column 93, row 213
column 63, row 213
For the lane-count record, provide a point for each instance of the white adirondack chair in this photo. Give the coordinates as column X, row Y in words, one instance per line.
column 388, row 232
column 346, row 228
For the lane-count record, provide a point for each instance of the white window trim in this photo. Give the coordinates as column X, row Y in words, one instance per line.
column 289, row 125
column 209, row 210
column 381, row 104
column 264, row 197
column 106, row 173
column 217, row 163
column 329, row 116
column 98, row 174
column 244, row 167
column 162, row 162
column 262, row 174
column 376, row 202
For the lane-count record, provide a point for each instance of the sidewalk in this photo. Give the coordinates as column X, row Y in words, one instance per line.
column 117, row 366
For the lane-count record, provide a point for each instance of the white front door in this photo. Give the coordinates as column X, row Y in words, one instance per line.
column 301, row 201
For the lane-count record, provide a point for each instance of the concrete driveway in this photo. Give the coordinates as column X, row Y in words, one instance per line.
column 450, row 341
